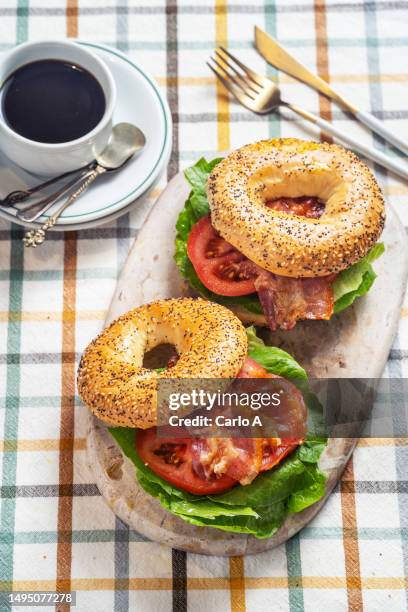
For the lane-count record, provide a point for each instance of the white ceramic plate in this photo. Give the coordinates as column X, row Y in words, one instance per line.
column 139, row 102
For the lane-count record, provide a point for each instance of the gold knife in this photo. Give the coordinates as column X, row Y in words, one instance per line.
column 276, row 55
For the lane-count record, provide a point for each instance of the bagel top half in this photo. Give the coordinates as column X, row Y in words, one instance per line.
column 210, row 340
column 290, row 245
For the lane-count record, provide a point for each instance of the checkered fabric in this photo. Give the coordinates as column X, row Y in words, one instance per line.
column 56, row 531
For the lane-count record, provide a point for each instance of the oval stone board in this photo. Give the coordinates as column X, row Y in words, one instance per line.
column 353, row 344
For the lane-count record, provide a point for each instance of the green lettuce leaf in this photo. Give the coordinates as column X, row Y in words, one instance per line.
column 269, row 487
column 273, row 359
column 356, row 280
column 198, row 174
column 263, row 526
column 315, row 482
column 311, row 450
column 276, row 361
column 260, row 507
column 350, row 284
column 207, row 509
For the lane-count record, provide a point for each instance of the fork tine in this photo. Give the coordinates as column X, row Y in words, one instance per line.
column 241, row 97
column 230, row 77
column 256, row 78
column 227, row 75
column 247, row 82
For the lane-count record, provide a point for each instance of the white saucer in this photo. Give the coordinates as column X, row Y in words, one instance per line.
column 139, row 102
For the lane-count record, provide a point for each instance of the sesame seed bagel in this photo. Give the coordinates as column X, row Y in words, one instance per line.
column 210, row 341
column 286, row 244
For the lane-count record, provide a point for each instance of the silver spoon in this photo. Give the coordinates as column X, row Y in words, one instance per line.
column 126, row 140
column 21, row 195
column 123, row 135
column 33, row 211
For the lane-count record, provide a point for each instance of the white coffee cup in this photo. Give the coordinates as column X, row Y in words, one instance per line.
column 53, row 159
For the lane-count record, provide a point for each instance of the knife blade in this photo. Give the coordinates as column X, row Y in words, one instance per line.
column 276, row 55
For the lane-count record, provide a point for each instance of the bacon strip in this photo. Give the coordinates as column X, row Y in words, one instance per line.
column 239, row 458
column 244, row 458
column 286, row 300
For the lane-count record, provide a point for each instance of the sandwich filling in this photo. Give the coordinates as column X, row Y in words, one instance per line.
column 234, row 484
column 284, row 300
column 221, row 272
column 213, row 464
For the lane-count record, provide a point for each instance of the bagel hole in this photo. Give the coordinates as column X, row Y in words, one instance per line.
column 161, row 356
column 311, row 207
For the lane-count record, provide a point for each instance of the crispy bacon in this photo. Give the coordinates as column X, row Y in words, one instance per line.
column 285, row 300
column 239, row 458
column 244, row 458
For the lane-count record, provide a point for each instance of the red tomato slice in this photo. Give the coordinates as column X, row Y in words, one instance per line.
column 171, row 459
column 252, row 369
column 272, row 455
column 219, row 265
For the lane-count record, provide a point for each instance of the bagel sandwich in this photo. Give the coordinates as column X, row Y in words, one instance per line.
column 281, row 230
column 236, row 484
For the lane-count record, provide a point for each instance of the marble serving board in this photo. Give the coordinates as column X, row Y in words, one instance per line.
column 352, row 344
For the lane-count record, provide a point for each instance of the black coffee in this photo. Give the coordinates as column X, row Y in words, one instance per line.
column 52, row 101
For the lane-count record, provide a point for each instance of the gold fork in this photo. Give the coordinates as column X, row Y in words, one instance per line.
column 261, row 95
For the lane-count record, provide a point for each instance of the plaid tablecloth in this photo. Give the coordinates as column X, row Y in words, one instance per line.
column 56, row 531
